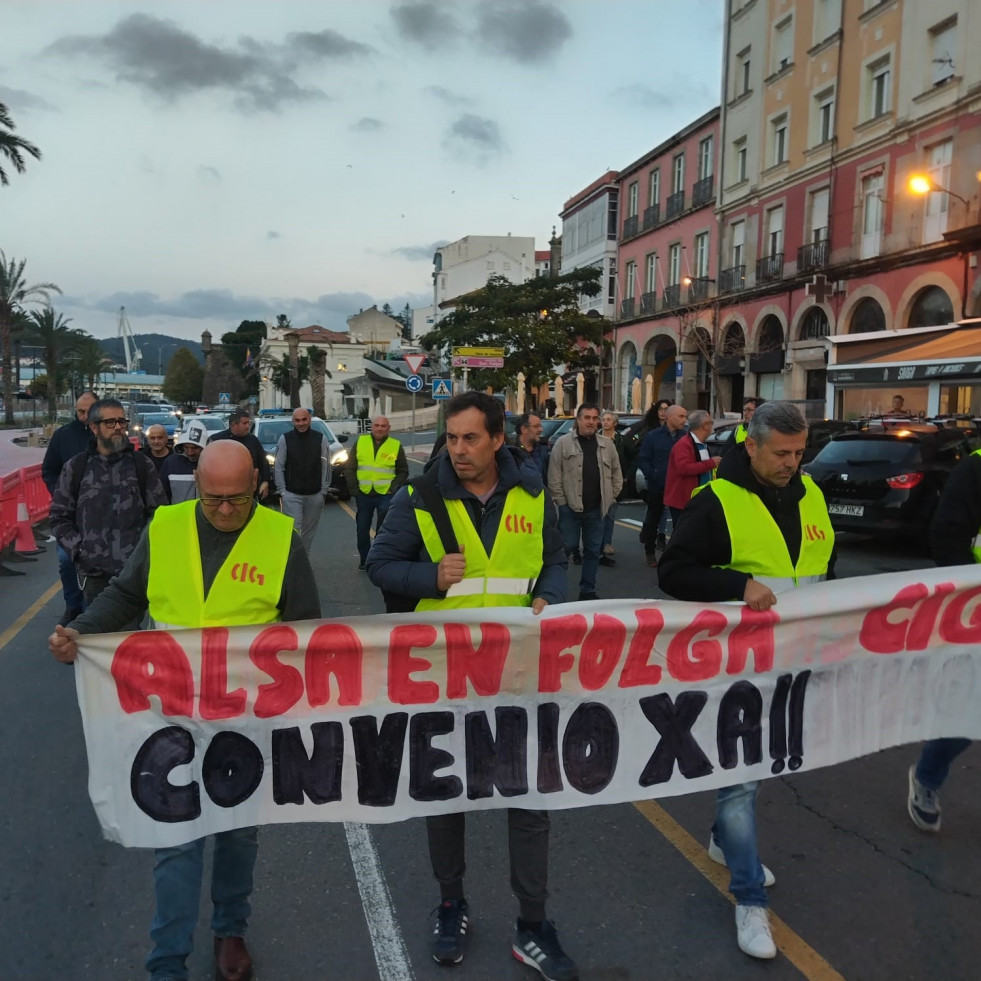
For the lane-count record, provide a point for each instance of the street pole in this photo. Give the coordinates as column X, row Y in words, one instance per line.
column 412, row 434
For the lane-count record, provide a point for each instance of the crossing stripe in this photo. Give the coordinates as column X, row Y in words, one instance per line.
column 32, row 611
column 804, row 957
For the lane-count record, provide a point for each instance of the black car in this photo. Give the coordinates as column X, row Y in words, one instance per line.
column 818, row 433
column 888, row 481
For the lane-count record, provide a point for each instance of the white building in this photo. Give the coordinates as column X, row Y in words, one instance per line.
column 589, row 238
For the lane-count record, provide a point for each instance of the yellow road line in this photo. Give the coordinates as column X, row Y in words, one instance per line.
column 18, row 625
column 347, row 507
column 804, row 957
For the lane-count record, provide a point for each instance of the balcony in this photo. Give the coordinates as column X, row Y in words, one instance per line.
column 626, row 309
column 648, row 302
column 630, row 226
column 813, row 256
column 769, row 268
column 732, row 280
column 674, row 205
column 703, row 192
column 652, row 216
column 698, row 288
column 672, row 295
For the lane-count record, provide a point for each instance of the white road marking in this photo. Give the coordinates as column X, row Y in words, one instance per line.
column 386, row 938
column 630, row 521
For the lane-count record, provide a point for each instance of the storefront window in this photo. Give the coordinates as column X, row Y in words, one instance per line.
column 814, row 325
column 867, row 317
column 931, row 308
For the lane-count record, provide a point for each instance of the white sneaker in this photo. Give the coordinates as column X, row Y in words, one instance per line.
column 609, row 550
column 715, row 853
column 753, row 932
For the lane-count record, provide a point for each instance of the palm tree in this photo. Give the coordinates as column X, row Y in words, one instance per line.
column 14, row 293
column 89, row 361
column 318, row 376
column 13, row 147
column 51, row 332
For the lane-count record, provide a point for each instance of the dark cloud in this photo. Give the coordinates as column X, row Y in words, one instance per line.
column 209, row 173
column 327, row 44
column 527, row 32
column 427, row 24
column 450, row 98
column 272, row 236
column 161, row 58
column 417, row 253
column 17, row 100
column 642, row 96
column 367, row 124
column 474, row 138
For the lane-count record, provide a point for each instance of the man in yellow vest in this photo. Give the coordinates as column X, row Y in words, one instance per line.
column 750, row 405
column 374, row 471
column 758, row 529
column 182, row 571
column 510, row 554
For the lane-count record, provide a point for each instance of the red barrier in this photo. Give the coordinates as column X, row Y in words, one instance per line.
column 9, row 496
column 36, row 495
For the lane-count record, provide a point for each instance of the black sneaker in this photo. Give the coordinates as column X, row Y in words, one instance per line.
column 588, row 596
column 450, row 935
column 542, row 951
column 361, row 567
column 576, row 557
column 606, row 560
column 662, row 542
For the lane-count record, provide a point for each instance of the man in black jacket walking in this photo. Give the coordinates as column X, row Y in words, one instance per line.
column 68, row 441
column 239, row 423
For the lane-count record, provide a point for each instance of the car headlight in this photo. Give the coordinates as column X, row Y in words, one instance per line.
column 270, row 459
column 339, row 457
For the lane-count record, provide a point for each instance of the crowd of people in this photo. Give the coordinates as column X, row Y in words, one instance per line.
column 736, row 535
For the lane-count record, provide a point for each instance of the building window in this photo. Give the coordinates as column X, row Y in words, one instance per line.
column 654, row 188
column 783, row 44
column 744, row 67
column 774, row 231
column 632, row 195
column 611, row 283
column 678, row 173
column 827, row 19
column 740, row 159
column 507, row 267
column 650, row 273
column 702, row 254
column 819, row 215
column 674, row 264
column 738, row 243
column 871, row 215
column 931, row 308
column 779, row 139
column 943, row 40
column 937, row 203
column 629, row 280
column 867, row 317
column 814, row 325
column 824, row 117
column 879, row 88
column 705, row 154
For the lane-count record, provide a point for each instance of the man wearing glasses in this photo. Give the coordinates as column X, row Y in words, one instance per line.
column 104, row 498
column 183, row 571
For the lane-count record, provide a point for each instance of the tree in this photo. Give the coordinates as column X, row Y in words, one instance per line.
column 242, row 346
column 293, row 341
column 57, row 340
column 319, row 374
column 405, row 319
column 14, row 293
column 13, row 147
column 89, row 362
column 184, row 379
column 280, row 372
column 538, row 323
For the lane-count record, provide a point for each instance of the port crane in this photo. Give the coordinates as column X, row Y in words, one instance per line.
column 134, row 358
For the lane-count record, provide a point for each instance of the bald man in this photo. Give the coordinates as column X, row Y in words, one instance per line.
column 156, row 449
column 215, row 531
column 302, row 474
column 68, row 441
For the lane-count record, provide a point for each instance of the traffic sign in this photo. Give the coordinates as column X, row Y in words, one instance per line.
column 224, row 398
column 413, row 383
column 442, row 388
column 678, row 369
column 471, row 361
column 478, row 352
column 414, row 362
column 253, row 400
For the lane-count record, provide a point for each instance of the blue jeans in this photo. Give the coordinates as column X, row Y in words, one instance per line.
column 369, row 505
column 177, row 885
column 935, row 760
column 589, row 526
column 69, row 582
column 608, row 522
column 735, row 833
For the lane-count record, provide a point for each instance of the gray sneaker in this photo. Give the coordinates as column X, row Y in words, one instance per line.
column 923, row 804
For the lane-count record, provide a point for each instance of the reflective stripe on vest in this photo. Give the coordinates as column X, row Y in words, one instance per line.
column 376, row 471
column 758, row 547
column 507, row 576
column 741, row 433
column 248, row 585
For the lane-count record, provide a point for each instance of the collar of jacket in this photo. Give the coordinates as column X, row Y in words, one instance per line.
column 513, row 470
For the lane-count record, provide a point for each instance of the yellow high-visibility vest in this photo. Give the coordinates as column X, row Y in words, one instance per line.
column 248, row 585
column 507, row 576
column 758, row 547
column 740, row 436
column 376, row 471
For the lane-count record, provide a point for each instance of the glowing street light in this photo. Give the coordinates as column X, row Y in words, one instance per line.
column 923, row 184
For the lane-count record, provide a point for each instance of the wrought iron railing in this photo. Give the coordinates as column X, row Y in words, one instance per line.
column 770, row 267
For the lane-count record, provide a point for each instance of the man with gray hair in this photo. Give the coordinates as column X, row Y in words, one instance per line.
column 742, row 539
column 690, row 465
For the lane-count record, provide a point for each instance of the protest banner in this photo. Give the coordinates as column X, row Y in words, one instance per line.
column 383, row 718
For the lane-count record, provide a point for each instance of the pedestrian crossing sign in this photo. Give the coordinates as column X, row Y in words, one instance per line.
column 442, row 388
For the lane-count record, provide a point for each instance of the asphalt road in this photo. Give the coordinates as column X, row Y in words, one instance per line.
column 860, row 893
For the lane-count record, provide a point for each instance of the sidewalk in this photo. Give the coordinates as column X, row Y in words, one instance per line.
column 13, row 455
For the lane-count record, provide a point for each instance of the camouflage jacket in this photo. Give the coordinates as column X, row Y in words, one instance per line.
column 100, row 528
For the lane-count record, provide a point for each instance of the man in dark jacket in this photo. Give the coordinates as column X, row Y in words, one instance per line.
column 156, row 450
column 742, row 539
column 68, row 441
column 104, row 498
column 302, row 474
column 655, row 452
column 178, row 473
column 953, row 534
column 239, row 423
column 481, row 479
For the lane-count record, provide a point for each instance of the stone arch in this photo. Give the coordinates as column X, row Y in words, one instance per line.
column 918, row 283
column 626, row 372
column 865, row 292
column 797, row 330
column 769, row 334
column 660, row 353
column 931, row 307
column 733, row 339
column 974, row 305
column 867, row 316
column 768, row 310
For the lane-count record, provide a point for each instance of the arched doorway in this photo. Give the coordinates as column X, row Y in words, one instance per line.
column 698, row 342
column 627, row 371
column 867, row 317
column 729, row 366
column 814, row 326
column 658, row 366
column 767, row 362
column 931, row 308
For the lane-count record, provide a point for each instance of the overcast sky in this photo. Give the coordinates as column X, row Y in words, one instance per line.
column 210, row 162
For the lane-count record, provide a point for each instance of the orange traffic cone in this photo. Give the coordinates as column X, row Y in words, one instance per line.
column 25, row 543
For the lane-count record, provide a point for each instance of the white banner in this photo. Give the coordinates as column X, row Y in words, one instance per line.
column 383, row 718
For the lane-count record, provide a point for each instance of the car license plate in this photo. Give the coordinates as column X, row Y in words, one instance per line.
column 852, row 510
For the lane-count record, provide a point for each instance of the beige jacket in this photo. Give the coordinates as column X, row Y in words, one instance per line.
column 565, row 472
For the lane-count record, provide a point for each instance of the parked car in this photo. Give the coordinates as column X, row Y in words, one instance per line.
column 889, row 481
column 214, row 422
column 269, row 429
column 139, row 425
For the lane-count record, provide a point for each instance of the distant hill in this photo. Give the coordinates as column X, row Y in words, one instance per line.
column 156, row 349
